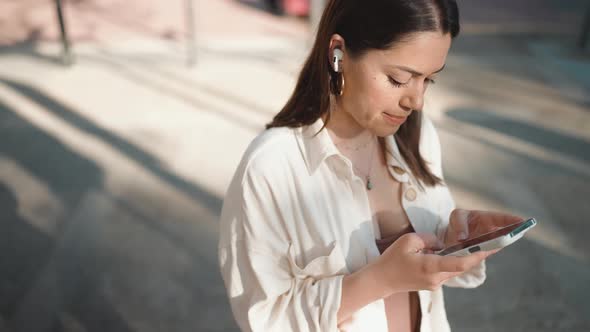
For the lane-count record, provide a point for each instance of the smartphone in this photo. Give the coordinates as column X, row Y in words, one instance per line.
column 499, row 238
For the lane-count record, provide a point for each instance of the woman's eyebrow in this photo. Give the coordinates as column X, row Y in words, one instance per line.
column 417, row 73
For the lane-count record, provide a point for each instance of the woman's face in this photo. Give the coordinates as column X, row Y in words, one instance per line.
column 382, row 88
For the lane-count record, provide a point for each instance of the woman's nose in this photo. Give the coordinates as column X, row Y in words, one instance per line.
column 413, row 99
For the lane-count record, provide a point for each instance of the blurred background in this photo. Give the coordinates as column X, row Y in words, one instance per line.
column 121, row 127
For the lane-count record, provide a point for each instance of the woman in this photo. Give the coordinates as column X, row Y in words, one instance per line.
column 332, row 216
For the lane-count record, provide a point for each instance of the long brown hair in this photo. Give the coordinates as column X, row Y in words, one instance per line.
column 366, row 25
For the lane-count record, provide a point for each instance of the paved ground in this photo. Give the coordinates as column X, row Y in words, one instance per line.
column 112, row 171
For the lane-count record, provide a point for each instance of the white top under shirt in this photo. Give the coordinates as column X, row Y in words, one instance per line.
column 296, row 219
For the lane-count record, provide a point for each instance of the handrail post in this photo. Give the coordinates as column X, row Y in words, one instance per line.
column 67, row 58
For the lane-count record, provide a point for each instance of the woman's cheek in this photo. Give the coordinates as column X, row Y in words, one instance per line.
column 381, row 102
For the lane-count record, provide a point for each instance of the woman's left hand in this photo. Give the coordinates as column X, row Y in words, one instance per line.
column 465, row 224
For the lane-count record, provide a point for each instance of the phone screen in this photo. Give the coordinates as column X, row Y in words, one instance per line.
column 513, row 229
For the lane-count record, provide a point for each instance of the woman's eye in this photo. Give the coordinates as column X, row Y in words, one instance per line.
column 430, row 81
column 395, row 83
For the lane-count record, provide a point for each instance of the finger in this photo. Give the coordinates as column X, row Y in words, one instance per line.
column 444, row 276
column 496, row 219
column 416, row 242
column 456, row 266
column 460, row 223
column 431, row 242
column 493, row 252
column 460, row 264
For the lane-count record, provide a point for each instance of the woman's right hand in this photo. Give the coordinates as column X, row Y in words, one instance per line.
column 409, row 264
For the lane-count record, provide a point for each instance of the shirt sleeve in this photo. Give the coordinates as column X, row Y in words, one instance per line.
column 267, row 289
column 475, row 276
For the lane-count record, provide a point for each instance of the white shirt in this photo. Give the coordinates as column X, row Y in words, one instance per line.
column 296, row 219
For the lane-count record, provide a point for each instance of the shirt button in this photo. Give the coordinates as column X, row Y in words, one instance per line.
column 399, row 170
column 411, row 194
column 430, row 307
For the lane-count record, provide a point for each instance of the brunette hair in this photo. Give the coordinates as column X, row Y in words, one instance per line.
column 366, row 25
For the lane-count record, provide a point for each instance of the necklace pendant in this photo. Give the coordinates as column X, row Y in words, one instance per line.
column 369, row 184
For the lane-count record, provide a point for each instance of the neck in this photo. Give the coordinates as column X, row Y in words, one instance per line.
column 344, row 129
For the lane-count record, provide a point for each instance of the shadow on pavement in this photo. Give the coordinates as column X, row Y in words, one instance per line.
column 208, row 200
column 139, row 77
column 109, row 267
column 31, row 258
column 531, row 286
column 541, row 188
column 28, row 47
column 67, row 174
column 551, row 63
column 549, row 139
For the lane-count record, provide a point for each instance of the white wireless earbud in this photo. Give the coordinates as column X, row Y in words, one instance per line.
column 338, row 55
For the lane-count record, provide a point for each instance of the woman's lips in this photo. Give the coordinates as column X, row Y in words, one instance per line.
column 394, row 120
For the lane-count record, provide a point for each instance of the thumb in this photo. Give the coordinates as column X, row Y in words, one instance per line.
column 460, row 223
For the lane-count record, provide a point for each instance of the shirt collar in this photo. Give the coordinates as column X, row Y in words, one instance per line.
column 317, row 148
column 316, row 145
column 397, row 165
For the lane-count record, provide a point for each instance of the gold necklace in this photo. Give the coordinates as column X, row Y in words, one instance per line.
column 362, row 146
column 368, row 183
